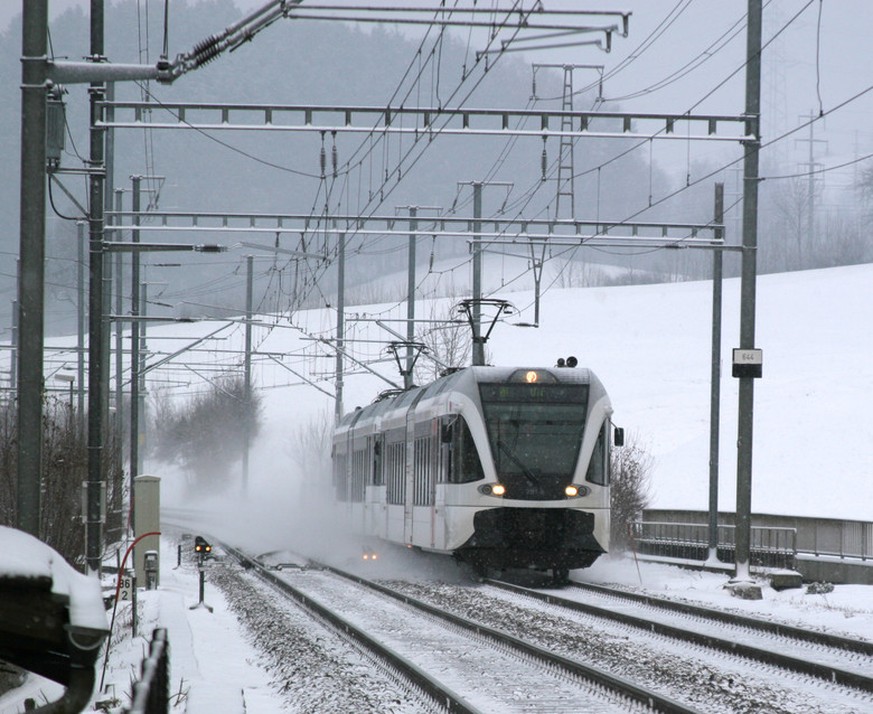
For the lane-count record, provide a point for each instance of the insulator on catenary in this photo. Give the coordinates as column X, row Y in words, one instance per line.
column 206, row 50
column 333, row 159
column 322, row 155
column 544, row 161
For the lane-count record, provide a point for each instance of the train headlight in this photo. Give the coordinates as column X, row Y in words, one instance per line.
column 492, row 489
column 572, row 491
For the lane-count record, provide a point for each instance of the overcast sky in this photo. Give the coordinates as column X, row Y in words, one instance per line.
column 817, row 62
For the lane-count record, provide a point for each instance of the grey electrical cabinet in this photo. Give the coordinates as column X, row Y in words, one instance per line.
column 147, row 519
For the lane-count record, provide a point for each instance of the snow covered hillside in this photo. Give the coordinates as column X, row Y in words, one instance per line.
column 651, row 347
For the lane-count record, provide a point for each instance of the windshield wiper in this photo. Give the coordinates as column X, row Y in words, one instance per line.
column 529, row 475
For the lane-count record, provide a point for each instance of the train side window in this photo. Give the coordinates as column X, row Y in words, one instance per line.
column 444, row 449
column 378, row 479
column 423, row 495
column 466, row 465
column 341, row 477
column 359, row 472
column 597, row 470
column 395, row 458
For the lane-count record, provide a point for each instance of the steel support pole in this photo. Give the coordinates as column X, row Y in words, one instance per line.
column 95, row 484
column 134, row 348
column 80, row 332
column 340, row 324
column 247, row 390
column 715, row 378
column 105, row 347
column 810, row 201
column 31, row 318
column 478, row 344
column 119, row 335
column 410, row 299
column 141, row 388
column 747, row 288
column 13, row 360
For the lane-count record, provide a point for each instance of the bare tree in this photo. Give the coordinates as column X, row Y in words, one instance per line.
column 448, row 344
column 206, row 435
column 8, row 461
column 841, row 242
column 65, row 468
column 579, row 274
column 792, row 202
column 865, row 185
column 309, row 447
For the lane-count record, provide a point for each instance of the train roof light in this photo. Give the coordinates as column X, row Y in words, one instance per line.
column 533, row 376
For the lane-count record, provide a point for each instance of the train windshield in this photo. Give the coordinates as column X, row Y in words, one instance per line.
column 535, row 431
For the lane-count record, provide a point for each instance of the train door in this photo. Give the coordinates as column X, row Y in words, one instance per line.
column 409, row 499
column 443, row 450
column 433, row 460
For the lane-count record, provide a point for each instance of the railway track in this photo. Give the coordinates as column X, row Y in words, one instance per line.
column 708, row 659
column 461, row 665
column 817, row 644
column 500, row 647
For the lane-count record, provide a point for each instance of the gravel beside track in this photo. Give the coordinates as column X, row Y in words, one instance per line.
column 317, row 669
column 710, row 681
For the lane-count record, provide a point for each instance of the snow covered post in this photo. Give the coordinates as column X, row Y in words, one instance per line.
column 52, row 618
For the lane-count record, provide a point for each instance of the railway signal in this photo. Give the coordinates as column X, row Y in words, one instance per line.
column 202, row 547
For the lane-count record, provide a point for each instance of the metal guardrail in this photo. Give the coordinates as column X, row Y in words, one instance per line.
column 151, row 694
column 816, row 537
column 840, row 539
column 773, row 547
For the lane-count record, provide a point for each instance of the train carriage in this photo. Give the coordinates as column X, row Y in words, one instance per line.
column 500, row 467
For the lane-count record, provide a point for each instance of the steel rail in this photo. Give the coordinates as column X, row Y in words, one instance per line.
column 775, row 628
column 433, row 688
column 822, row 671
column 609, row 681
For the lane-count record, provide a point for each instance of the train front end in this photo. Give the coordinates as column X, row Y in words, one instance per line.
column 544, row 502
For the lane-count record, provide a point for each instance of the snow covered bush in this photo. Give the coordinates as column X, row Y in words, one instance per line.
column 631, row 476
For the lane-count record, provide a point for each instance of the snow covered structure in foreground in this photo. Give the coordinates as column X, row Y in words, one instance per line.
column 52, row 618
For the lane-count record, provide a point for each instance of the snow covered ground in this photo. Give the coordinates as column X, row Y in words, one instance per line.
column 217, row 669
column 650, row 345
